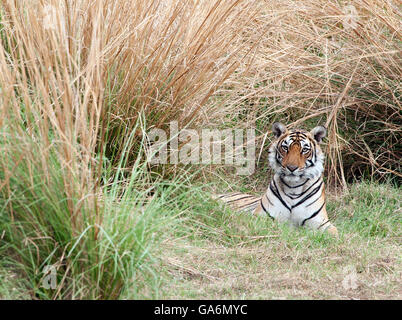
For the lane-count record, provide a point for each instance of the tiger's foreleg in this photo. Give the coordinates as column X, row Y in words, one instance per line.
column 332, row 230
column 259, row 211
column 325, row 225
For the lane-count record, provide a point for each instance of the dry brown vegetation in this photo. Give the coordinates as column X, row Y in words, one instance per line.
column 79, row 65
column 316, row 63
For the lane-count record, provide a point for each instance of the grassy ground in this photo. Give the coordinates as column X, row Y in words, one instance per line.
column 11, row 286
column 232, row 256
column 206, row 251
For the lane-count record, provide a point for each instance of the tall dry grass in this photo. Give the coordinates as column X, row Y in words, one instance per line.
column 334, row 63
column 72, row 70
column 75, row 76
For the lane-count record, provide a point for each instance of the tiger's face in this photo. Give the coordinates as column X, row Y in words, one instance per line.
column 296, row 153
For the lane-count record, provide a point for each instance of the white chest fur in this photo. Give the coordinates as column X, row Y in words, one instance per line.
column 295, row 200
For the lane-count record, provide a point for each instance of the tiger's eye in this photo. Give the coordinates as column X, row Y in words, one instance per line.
column 305, row 150
column 285, row 148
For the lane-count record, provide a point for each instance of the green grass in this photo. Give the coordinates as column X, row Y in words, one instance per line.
column 12, row 285
column 226, row 255
column 101, row 252
column 184, row 245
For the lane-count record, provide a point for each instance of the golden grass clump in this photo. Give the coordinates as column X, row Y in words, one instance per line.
column 75, row 76
column 84, row 70
column 75, row 73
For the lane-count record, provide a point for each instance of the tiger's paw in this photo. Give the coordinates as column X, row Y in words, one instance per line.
column 332, row 230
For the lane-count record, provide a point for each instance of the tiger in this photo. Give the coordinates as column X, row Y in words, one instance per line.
column 296, row 193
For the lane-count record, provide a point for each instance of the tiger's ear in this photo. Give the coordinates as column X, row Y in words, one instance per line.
column 278, row 129
column 319, row 133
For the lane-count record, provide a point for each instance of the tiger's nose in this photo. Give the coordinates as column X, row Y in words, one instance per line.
column 291, row 167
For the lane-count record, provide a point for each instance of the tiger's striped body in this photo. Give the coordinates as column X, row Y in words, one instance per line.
column 296, row 193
